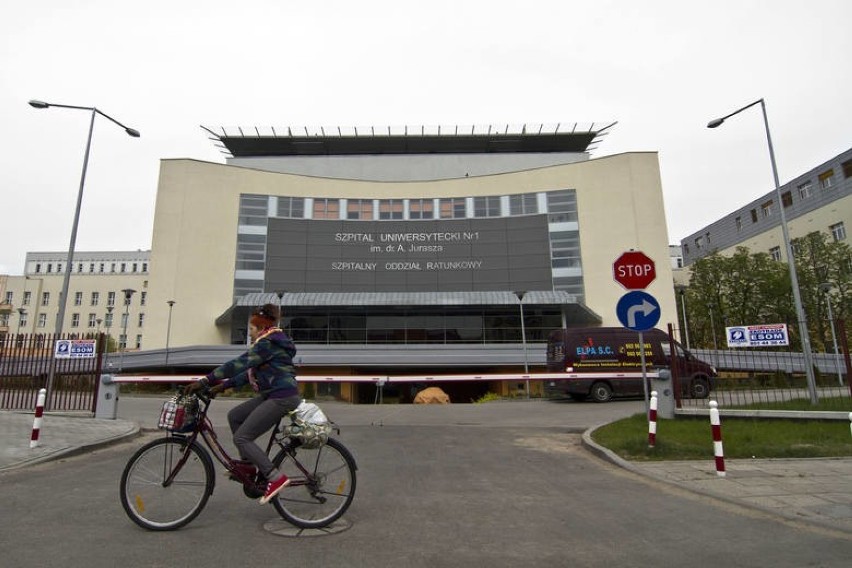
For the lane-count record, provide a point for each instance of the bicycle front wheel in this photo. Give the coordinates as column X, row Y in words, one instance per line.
column 322, row 484
column 152, row 504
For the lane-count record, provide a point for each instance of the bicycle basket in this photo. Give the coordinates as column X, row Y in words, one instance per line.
column 309, row 425
column 179, row 414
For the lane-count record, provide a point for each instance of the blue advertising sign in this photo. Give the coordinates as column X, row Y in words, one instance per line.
column 74, row 349
column 757, row 335
column 638, row 311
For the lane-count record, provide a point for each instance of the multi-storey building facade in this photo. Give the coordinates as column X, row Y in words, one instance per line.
column 96, row 295
column 817, row 200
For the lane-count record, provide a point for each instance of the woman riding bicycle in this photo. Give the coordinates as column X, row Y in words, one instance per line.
column 268, row 367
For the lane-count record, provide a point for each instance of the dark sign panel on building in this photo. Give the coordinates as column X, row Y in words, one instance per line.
column 408, row 256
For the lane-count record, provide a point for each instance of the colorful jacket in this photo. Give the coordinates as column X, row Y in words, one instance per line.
column 267, row 366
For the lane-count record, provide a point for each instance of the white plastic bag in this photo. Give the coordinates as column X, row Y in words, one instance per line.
column 309, row 425
column 310, row 413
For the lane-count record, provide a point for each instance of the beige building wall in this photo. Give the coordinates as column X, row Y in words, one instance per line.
column 40, row 318
column 820, row 219
column 195, row 230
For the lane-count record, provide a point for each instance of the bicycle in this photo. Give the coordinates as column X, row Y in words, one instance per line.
column 167, row 482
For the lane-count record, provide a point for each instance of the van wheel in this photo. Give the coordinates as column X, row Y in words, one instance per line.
column 601, row 392
column 700, row 388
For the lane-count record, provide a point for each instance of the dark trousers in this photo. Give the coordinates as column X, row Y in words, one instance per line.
column 253, row 418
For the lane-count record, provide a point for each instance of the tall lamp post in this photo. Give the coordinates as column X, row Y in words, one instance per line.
column 825, row 288
column 63, row 296
column 520, row 296
column 108, row 325
column 171, row 304
column 682, row 291
column 128, row 293
column 791, row 262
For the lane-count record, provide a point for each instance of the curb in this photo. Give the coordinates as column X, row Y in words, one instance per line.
column 608, row 455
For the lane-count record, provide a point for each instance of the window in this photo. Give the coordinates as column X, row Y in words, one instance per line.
column 562, row 206
column 78, row 298
column 135, row 267
column 9, row 297
column 251, row 252
column 93, row 320
column 766, row 208
column 141, row 320
column 75, row 320
column 110, row 298
column 38, row 268
column 27, row 297
column 805, row 189
column 80, row 267
column 254, row 210
column 96, row 298
column 144, row 267
column 359, row 209
column 142, row 298
column 108, row 320
column 787, row 198
column 775, row 253
column 138, row 342
column 754, row 215
column 453, row 208
column 4, row 322
column 390, row 209
column 293, row 207
column 523, row 204
column 22, row 320
column 739, row 223
column 45, row 298
column 112, row 267
column 124, row 267
column 326, row 208
column 826, row 179
column 101, row 267
column 699, row 243
column 421, row 209
column 488, row 206
column 847, row 169
column 124, row 321
column 122, row 341
column 42, row 320
column 707, row 238
column 838, row 231
column 91, row 267
column 49, row 267
column 59, row 268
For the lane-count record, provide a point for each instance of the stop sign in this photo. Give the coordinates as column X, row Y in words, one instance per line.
column 634, row 270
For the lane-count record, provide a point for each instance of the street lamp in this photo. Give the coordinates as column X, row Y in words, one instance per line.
column 791, row 262
column 171, row 304
column 712, row 326
column 280, row 294
column 520, row 296
column 63, row 296
column 128, row 293
column 825, row 288
column 682, row 291
column 21, row 313
column 108, row 325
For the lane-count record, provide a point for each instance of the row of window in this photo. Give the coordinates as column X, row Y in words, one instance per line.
column 123, row 267
column 804, row 191
column 254, row 209
column 93, row 322
column 838, row 233
column 94, row 298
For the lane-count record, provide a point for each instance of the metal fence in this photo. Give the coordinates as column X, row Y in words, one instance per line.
column 767, row 377
column 27, row 364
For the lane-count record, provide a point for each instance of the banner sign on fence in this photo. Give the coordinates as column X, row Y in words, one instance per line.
column 757, row 335
column 74, row 349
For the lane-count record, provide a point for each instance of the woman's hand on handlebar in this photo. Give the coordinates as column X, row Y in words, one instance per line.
column 195, row 387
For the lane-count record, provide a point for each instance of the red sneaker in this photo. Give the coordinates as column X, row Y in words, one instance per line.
column 273, row 487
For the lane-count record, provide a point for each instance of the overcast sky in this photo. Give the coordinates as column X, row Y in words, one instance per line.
column 661, row 69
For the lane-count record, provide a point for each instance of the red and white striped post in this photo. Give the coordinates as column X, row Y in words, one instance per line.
column 39, row 412
column 652, row 421
column 850, row 422
column 716, row 426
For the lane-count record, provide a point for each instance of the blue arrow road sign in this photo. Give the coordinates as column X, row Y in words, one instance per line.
column 638, row 310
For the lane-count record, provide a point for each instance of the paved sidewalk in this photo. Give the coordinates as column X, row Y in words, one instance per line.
column 813, row 491
column 60, row 435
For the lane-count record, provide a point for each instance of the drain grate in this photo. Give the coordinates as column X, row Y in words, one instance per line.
column 280, row 527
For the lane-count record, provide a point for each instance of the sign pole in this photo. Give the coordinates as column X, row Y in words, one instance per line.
column 644, row 372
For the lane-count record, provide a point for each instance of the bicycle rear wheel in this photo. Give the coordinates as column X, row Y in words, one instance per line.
column 157, row 507
column 322, row 484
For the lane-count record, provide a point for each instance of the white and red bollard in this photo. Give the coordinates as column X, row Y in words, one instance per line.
column 652, row 421
column 39, row 412
column 716, row 426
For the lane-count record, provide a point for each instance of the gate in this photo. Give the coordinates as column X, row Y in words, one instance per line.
column 26, row 364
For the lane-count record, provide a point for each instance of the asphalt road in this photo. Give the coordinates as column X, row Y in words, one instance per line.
column 437, row 487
